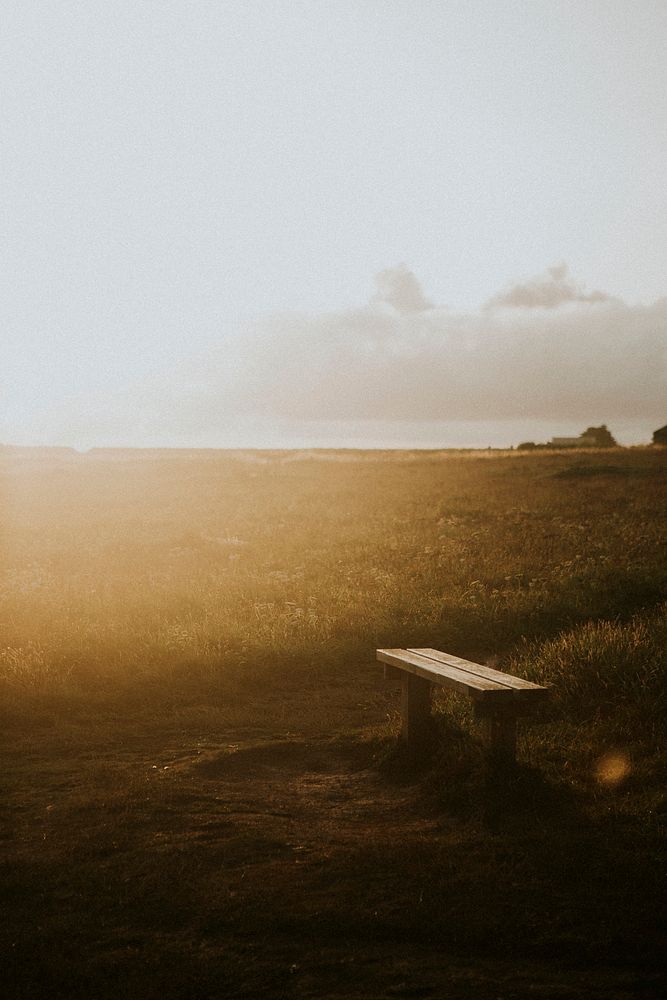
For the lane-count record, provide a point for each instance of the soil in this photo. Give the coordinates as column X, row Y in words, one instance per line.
column 268, row 864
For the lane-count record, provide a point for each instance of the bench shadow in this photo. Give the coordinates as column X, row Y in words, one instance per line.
column 240, row 762
column 280, row 759
column 456, row 777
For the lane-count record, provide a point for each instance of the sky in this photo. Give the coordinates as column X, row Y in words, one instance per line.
column 293, row 224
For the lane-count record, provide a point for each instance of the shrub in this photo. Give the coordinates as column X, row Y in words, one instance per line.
column 604, row 667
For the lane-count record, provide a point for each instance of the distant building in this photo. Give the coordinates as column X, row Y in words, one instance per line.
column 592, row 437
column 583, row 441
column 660, row 436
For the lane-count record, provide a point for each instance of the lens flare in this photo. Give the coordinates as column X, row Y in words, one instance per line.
column 612, row 768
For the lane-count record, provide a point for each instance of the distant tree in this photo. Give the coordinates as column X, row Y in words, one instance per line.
column 526, row 446
column 602, row 436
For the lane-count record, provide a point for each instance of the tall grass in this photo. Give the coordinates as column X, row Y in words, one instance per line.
column 603, row 668
column 175, row 575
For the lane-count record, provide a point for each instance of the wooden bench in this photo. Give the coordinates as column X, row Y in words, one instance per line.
column 498, row 698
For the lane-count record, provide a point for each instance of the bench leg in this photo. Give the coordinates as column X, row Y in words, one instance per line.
column 416, row 709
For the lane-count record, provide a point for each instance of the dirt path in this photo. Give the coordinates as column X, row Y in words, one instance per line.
column 314, row 798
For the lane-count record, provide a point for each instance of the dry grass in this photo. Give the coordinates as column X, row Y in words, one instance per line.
column 169, row 572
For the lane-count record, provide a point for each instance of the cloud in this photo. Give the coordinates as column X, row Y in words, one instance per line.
column 399, row 288
column 590, row 358
column 544, row 351
column 547, row 291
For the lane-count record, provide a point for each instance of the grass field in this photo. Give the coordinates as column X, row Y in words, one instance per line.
column 203, row 795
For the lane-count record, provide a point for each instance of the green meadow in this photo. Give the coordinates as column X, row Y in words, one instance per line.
column 204, row 795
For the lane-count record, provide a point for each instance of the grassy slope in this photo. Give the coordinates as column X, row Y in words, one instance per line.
column 202, row 794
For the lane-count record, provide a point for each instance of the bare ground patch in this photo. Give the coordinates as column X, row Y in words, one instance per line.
column 290, row 866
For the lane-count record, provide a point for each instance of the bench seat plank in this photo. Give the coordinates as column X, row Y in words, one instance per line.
column 522, row 690
column 478, row 687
